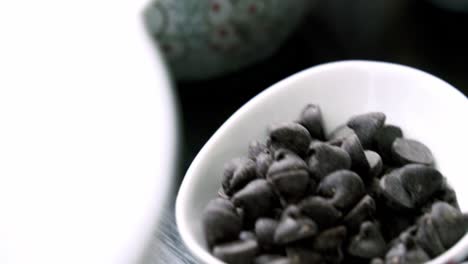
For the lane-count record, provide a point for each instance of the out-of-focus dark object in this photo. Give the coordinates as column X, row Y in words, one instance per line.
column 204, row 39
column 453, row 5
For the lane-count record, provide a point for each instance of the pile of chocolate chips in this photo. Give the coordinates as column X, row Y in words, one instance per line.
column 363, row 194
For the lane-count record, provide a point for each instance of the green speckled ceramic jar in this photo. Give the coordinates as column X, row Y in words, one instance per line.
column 208, row 38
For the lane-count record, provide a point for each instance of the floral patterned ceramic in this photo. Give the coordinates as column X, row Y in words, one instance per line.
column 206, row 38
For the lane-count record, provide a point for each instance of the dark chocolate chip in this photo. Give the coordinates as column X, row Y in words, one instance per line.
column 366, row 125
column 411, row 186
column 291, row 229
column 237, row 173
column 302, row 255
column 325, row 159
column 237, row 252
column 265, row 231
column 449, row 222
column 344, row 188
column 291, row 136
column 257, row 199
column 359, row 162
column 320, row 210
column 339, row 134
column 384, row 139
column 428, row 237
column 375, row 163
column 364, row 210
column 329, row 239
column 311, row 118
column 263, row 162
column 289, row 175
column 407, row 151
column 220, row 221
column 368, row 243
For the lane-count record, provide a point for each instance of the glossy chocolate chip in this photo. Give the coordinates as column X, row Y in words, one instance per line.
column 449, row 222
column 292, row 136
column 256, row 199
column 220, row 221
column 366, row 125
column 339, row 134
column 384, row 138
column 375, row 163
column 311, row 119
column 364, row 210
column 344, row 188
column 325, row 159
column 428, row 237
column 237, row 252
column 263, row 163
column 265, row 231
column 406, row 151
column 412, row 185
column 237, row 173
column 320, row 210
column 294, row 229
column 289, row 175
column 368, row 243
column 329, row 239
column 303, row 255
column 359, row 163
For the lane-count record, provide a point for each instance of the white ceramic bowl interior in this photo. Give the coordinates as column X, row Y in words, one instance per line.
column 427, row 109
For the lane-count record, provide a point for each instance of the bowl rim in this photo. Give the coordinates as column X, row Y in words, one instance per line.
column 459, row 250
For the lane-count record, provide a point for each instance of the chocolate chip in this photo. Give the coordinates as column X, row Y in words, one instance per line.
column 263, row 162
column 290, row 230
column 301, row 255
column 320, row 210
column 368, row 243
column 359, row 162
column 291, row 136
column 407, row 151
column 289, row 175
column 375, row 163
column 220, row 221
column 366, row 125
column 364, row 210
column 449, row 222
column 330, row 239
column 237, row 252
column 237, row 173
column 311, row 118
column 411, row 186
column 344, row 188
column 265, row 231
column 325, row 159
column 384, row 138
column 339, row 134
column 256, row 199
column 428, row 237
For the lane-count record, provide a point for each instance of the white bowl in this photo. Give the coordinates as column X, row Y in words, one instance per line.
column 87, row 132
column 427, row 108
